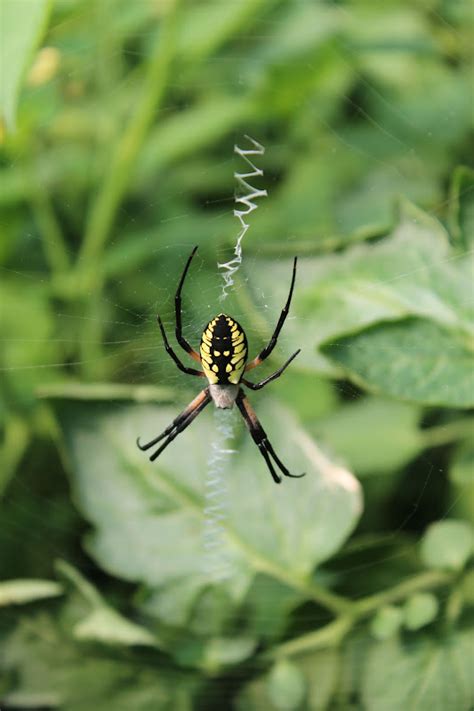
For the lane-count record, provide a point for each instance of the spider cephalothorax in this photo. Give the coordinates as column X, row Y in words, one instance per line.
column 223, row 357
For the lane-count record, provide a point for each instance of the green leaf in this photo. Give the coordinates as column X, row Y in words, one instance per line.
column 268, row 604
column 195, row 129
column 211, row 655
column 348, row 432
column 386, row 622
column 461, row 207
column 321, row 670
column 18, row 592
column 424, row 675
column 106, row 625
column 21, row 28
column 149, row 519
column 315, row 675
column 414, row 360
column 103, row 623
column 411, row 273
column 49, row 669
column 419, row 610
column 447, row 544
column 207, row 27
column 286, row 685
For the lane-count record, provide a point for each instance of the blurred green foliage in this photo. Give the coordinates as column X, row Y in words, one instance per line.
column 118, row 121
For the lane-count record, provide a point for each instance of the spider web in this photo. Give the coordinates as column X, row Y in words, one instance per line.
column 135, row 323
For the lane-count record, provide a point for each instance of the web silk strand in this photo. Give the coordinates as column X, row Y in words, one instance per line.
column 217, row 564
column 245, row 198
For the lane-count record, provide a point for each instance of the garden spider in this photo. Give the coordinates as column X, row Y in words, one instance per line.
column 223, row 357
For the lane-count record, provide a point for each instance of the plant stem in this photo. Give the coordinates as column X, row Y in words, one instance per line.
column 17, row 435
column 87, row 590
column 331, row 601
column 332, row 634
column 450, row 432
column 118, row 176
column 328, row 636
column 52, row 238
column 454, row 607
column 429, row 579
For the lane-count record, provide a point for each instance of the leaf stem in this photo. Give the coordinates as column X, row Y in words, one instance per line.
column 447, row 433
column 87, row 590
column 332, row 634
column 328, row 636
column 423, row 581
column 331, row 601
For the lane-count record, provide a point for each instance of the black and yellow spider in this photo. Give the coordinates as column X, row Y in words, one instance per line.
column 223, row 357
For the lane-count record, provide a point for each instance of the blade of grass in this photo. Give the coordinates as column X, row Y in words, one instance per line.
column 104, row 208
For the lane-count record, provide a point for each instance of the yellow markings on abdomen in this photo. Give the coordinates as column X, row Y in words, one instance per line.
column 223, row 350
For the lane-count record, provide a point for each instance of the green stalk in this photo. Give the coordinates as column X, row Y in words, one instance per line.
column 428, row 580
column 450, row 432
column 333, row 633
column 54, row 246
column 104, row 209
column 328, row 636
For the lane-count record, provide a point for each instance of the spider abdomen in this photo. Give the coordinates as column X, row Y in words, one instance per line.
column 223, row 351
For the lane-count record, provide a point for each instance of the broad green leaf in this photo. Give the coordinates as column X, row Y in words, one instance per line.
column 447, row 544
column 349, row 433
column 19, row 592
column 411, row 273
column 149, row 519
column 22, row 23
column 386, row 622
column 419, row 610
column 286, row 685
column 414, row 360
column 422, row 675
column 268, row 605
column 461, row 207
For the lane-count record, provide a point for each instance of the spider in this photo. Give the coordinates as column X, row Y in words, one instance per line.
column 223, row 357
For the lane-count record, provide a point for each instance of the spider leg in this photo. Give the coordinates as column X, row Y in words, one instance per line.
column 179, row 424
column 170, row 351
column 260, row 438
column 177, row 308
column 273, row 340
column 273, row 376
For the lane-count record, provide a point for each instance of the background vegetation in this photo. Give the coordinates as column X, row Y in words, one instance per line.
column 351, row 588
